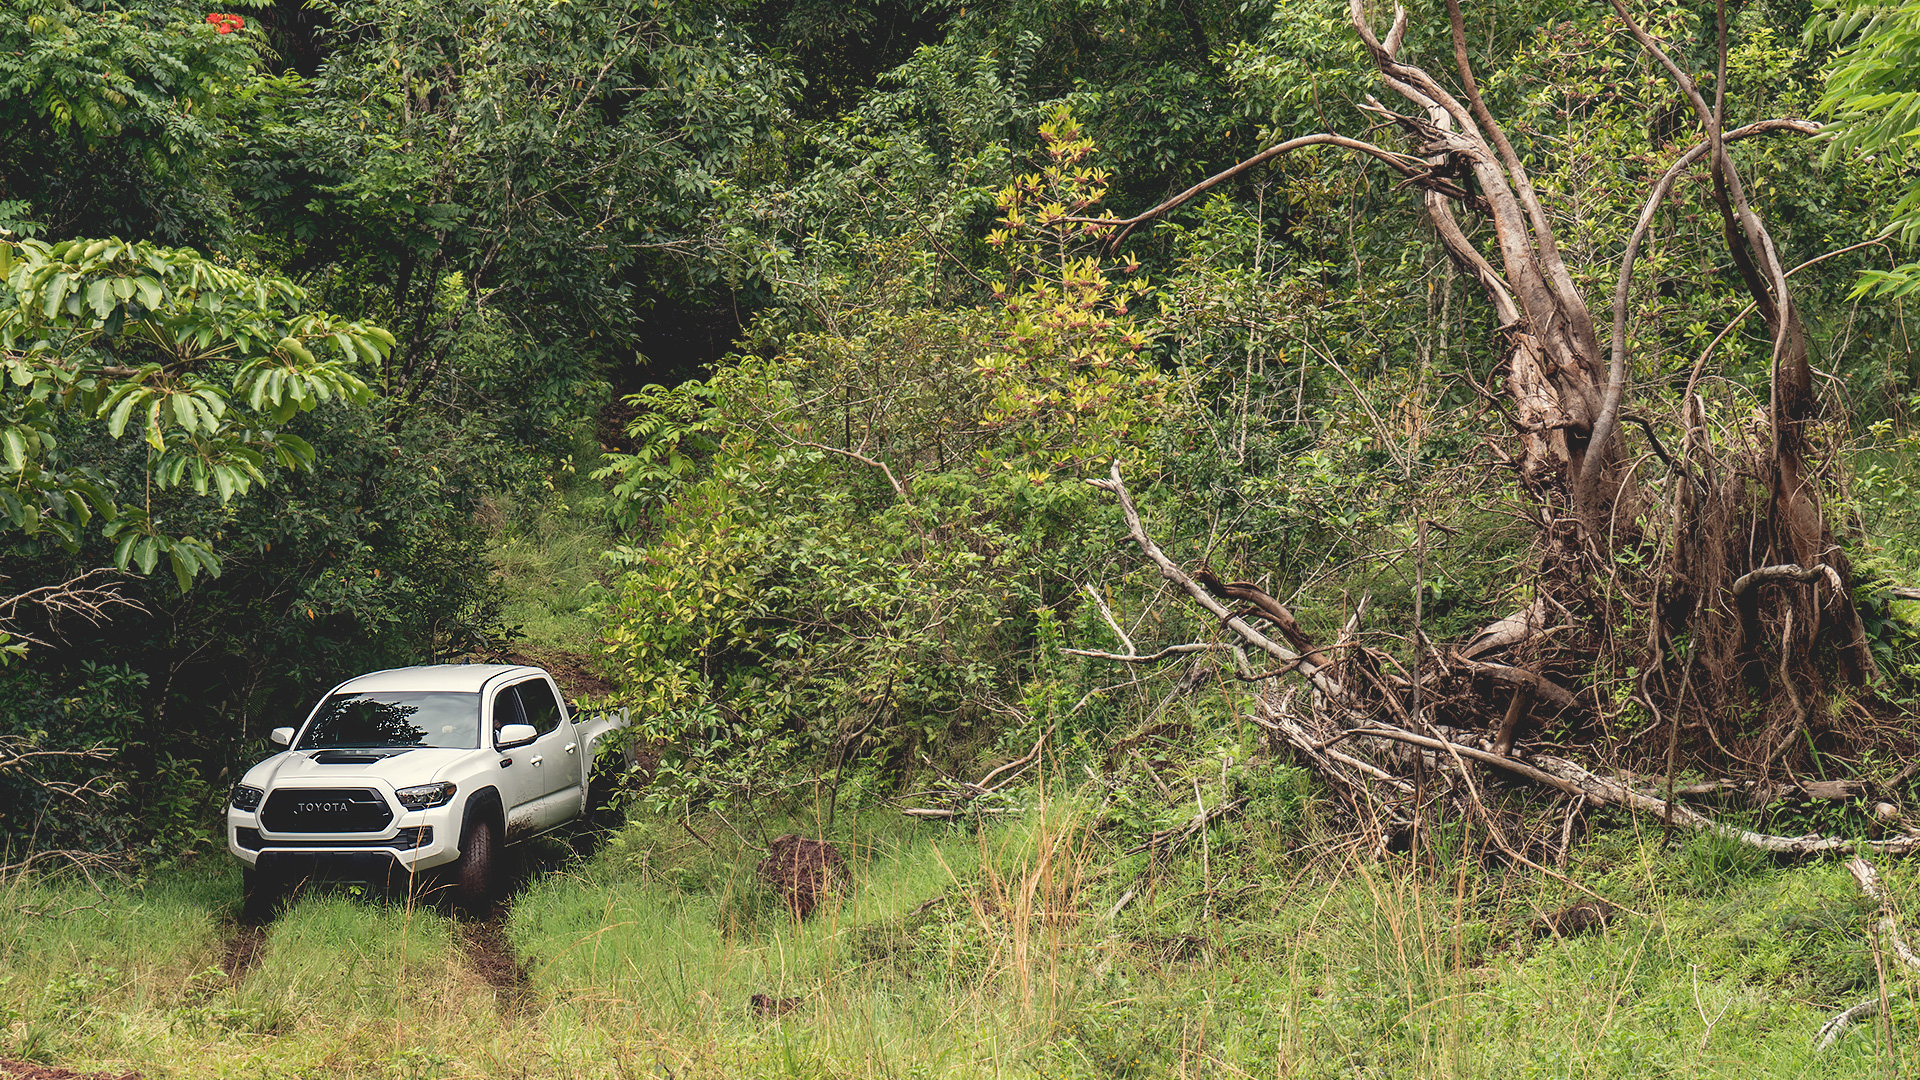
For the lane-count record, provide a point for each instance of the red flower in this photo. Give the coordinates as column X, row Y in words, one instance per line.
column 226, row 24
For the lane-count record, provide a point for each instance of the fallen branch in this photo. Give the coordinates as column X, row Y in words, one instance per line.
column 1619, row 794
column 1171, row 650
column 1172, row 573
column 1512, row 765
column 1568, row 777
column 1761, row 792
column 1886, row 928
column 1831, row 1031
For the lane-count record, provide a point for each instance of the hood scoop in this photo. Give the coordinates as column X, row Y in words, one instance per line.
column 357, row 756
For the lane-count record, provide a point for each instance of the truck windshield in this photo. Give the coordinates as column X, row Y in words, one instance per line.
column 395, row 718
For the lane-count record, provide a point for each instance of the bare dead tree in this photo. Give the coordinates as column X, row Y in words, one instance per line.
column 1750, row 575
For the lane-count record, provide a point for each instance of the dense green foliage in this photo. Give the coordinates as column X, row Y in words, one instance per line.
column 1874, row 98
column 745, row 362
column 331, row 307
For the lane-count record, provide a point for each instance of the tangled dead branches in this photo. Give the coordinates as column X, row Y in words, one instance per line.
column 91, row 598
column 1359, row 724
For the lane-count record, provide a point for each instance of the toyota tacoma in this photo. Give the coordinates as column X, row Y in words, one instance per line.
column 413, row 770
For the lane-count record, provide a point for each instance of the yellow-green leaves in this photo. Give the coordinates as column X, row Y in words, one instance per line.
column 1066, row 370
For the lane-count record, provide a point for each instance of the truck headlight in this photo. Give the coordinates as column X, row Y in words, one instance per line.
column 425, row 795
column 246, row 798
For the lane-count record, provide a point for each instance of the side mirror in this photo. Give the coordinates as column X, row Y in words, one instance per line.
column 515, row 734
column 281, row 736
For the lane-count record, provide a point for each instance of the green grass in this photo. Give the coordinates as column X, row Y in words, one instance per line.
column 548, row 557
column 988, row 951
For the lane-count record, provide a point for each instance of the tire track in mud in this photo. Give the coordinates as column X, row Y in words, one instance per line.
column 245, row 941
column 243, row 938
column 492, row 957
column 31, row 1070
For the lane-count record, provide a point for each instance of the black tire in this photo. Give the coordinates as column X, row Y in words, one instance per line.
column 475, row 876
column 603, row 810
column 261, row 890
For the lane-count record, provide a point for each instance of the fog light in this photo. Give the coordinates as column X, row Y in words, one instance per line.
column 426, row 795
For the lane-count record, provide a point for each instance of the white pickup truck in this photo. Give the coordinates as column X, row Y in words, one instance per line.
column 415, row 769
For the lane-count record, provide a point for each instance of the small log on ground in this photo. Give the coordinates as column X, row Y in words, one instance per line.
column 1888, row 930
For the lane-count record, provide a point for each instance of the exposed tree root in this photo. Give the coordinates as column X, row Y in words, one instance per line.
column 1338, row 725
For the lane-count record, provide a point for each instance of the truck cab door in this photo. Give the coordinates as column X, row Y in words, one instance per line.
column 521, row 779
column 557, row 750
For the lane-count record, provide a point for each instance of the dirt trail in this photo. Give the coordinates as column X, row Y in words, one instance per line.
column 492, row 957
column 246, row 940
column 27, row 1070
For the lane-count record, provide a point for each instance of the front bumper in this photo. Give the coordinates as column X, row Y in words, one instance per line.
column 416, row 840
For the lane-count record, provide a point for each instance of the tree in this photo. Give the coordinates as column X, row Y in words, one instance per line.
column 1873, row 96
column 453, row 159
column 207, row 363
column 1718, row 555
column 113, row 117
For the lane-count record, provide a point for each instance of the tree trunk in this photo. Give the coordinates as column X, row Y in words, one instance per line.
column 1566, row 407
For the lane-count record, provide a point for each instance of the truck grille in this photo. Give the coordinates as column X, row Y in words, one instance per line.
column 411, row 837
column 326, row 810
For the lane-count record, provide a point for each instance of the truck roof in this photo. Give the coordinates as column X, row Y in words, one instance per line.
column 459, row 677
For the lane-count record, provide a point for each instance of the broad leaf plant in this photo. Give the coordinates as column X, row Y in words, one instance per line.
column 205, row 363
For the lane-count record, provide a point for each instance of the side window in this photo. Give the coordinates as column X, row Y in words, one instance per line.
column 542, row 710
column 506, row 710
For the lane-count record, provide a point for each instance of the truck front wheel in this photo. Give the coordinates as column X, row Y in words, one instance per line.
column 474, row 876
column 261, row 888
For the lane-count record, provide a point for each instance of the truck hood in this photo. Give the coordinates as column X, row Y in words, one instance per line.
column 402, row 768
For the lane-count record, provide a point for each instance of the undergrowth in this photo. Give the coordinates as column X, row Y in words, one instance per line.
column 1020, row 945
column 546, row 550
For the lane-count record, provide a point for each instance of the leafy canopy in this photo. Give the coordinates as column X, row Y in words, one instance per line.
column 1873, row 96
column 206, row 362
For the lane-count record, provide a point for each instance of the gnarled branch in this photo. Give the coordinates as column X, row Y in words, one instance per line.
column 1314, row 673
